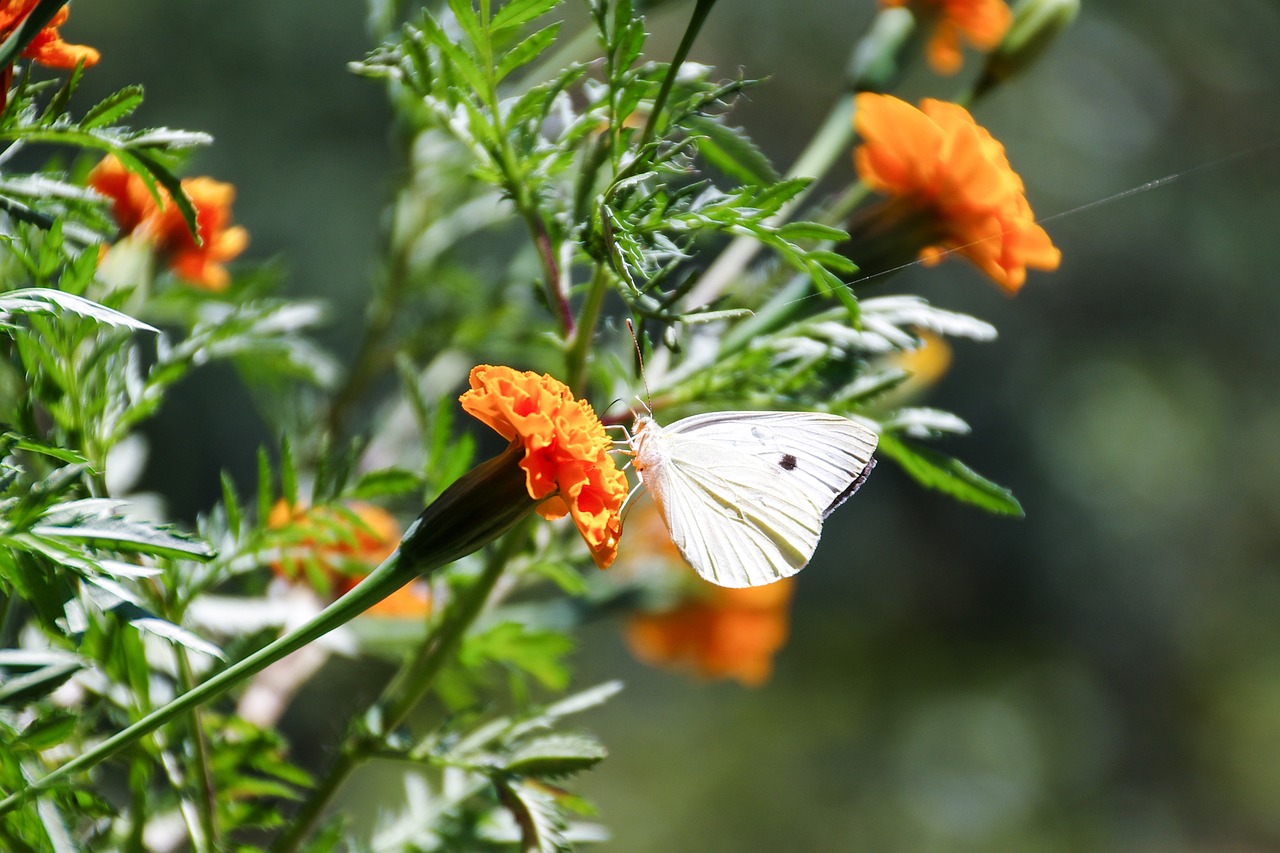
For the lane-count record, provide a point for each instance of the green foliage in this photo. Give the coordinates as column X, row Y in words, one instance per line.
column 554, row 185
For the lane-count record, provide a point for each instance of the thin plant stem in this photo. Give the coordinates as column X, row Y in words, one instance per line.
column 580, row 345
column 404, row 692
column 699, row 17
column 206, row 800
column 449, row 528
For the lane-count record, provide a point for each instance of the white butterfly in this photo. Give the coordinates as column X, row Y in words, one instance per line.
column 744, row 494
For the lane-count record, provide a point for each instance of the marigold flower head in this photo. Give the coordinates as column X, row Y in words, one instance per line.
column 725, row 633
column 982, row 23
column 47, row 48
column 566, row 460
column 941, row 165
column 137, row 212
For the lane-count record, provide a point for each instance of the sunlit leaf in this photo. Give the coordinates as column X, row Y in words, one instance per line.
column 950, row 476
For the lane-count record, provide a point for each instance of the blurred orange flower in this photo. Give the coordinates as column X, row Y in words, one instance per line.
column 982, row 23
column 47, row 48
column 725, row 633
column 161, row 225
column 566, row 450
column 953, row 175
column 344, row 545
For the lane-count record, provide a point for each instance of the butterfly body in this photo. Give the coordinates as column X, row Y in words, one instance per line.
column 744, row 494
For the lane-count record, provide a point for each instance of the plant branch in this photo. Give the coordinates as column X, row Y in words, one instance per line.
column 479, row 507
column 403, row 693
column 699, row 17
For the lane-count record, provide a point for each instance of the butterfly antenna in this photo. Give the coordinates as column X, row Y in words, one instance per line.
column 648, row 396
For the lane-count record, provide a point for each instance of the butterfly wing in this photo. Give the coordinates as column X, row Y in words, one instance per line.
column 827, row 456
column 744, row 494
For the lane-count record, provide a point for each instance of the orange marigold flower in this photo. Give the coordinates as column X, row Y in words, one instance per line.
column 47, row 48
column 728, row 633
column 948, row 170
column 161, row 224
column 566, row 450
column 202, row 263
column 982, row 23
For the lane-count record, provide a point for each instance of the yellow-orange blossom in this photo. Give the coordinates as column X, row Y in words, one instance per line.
column 47, row 48
column 982, row 23
column 162, row 226
column 939, row 162
column 566, row 461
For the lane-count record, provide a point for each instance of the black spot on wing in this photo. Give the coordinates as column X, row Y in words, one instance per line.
column 788, row 462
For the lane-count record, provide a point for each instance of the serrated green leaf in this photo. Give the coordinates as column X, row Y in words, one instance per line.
column 63, row 454
column 517, row 13
column 465, row 14
column 386, row 482
column 49, row 730
column 583, row 700
column 43, row 300
column 527, row 50
column 265, row 501
column 832, row 261
column 556, row 755
column 456, row 60
column 170, row 182
column 730, row 150
column 796, row 231
column 31, row 686
column 176, row 634
column 112, row 108
column 562, row 574
column 96, row 522
column 539, row 653
column 167, row 137
column 540, row 818
column 950, row 476
column 230, row 504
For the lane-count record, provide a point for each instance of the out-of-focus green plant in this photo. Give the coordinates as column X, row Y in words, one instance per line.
column 555, row 184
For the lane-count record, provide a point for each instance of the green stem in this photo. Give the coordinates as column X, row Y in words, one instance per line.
column 403, row 694
column 479, row 507
column 699, row 17
column 206, row 802
column 384, row 580
column 580, row 346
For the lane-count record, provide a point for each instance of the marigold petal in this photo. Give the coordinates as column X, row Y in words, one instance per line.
column 982, row 23
column 728, row 633
column 567, row 461
column 907, row 144
column 48, row 48
column 950, row 169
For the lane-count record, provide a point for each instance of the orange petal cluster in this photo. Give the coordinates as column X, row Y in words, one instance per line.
column 728, row 633
column 940, row 162
column 161, row 224
column 47, row 48
column 566, row 450
column 364, row 534
column 982, row 23
column 344, row 548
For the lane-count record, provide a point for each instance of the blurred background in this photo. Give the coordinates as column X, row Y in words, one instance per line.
column 1101, row 675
